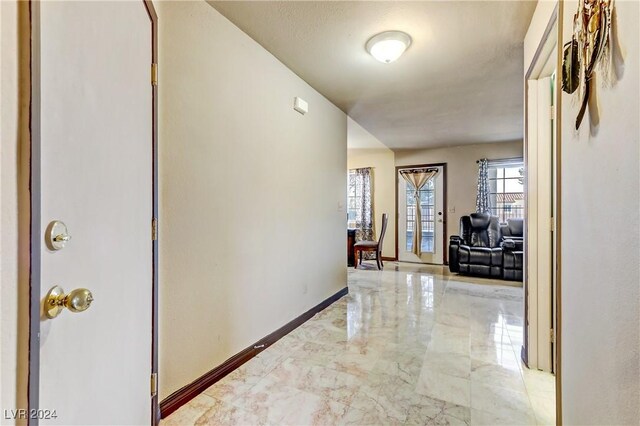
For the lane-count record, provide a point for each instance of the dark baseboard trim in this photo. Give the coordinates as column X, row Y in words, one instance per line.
column 389, row 259
column 523, row 355
column 195, row 388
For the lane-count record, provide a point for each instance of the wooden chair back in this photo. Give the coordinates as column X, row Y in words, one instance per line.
column 385, row 219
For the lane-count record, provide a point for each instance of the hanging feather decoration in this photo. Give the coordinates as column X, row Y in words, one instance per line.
column 590, row 47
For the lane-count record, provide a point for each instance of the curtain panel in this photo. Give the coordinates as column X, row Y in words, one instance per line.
column 362, row 181
column 417, row 179
column 483, row 200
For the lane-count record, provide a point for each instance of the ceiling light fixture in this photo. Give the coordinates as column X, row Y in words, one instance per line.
column 388, row 46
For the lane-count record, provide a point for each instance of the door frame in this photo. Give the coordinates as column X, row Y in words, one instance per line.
column 445, row 257
column 35, row 228
column 555, row 22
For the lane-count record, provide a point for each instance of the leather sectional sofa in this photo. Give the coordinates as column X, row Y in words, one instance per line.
column 487, row 248
column 512, row 249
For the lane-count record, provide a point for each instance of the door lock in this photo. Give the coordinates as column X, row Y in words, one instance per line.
column 56, row 235
column 77, row 300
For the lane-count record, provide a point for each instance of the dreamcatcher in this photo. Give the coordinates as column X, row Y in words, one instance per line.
column 589, row 47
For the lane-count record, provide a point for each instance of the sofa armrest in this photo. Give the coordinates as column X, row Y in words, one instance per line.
column 516, row 239
column 512, row 244
column 454, row 245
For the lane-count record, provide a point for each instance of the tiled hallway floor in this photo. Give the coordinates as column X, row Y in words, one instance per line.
column 406, row 346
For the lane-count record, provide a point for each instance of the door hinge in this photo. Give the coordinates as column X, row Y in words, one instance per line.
column 154, row 229
column 154, row 384
column 154, row 74
column 552, row 112
column 552, row 224
column 552, row 336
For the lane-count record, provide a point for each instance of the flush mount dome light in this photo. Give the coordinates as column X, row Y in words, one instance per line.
column 388, row 46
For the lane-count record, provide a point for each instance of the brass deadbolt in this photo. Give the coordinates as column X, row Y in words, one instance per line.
column 56, row 235
column 77, row 300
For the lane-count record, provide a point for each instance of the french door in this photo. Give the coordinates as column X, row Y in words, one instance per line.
column 431, row 204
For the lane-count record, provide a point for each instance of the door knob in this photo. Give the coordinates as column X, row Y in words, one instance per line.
column 77, row 300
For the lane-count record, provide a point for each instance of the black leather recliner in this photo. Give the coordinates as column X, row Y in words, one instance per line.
column 513, row 229
column 512, row 249
column 477, row 250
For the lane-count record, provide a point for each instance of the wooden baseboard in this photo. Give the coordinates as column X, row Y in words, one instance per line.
column 389, row 259
column 193, row 389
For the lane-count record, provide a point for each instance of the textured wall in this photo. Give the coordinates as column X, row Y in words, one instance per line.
column 253, row 218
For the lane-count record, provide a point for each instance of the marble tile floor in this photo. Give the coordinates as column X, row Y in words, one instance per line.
column 406, row 346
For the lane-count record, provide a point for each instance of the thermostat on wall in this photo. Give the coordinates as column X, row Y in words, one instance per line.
column 300, row 105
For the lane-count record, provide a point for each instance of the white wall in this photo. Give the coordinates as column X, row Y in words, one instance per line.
column 252, row 216
column 14, row 173
column 600, row 244
column 382, row 162
column 462, row 172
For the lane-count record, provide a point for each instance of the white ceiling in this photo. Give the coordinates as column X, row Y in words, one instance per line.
column 460, row 81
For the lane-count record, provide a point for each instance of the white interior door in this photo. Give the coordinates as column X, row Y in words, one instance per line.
column 540, row 206
column 96, row 177
column 432, row 205
column 543, row 226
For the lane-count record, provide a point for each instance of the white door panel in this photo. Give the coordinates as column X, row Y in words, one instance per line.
column 543, row 226
column 96, row 177
column 540, row 256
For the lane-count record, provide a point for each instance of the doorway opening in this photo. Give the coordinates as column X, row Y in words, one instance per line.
column 541, row 340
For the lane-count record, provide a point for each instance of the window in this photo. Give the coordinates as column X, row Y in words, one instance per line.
column 506, row 187
column 360, row 205
column 355, row 192
column 428, row 210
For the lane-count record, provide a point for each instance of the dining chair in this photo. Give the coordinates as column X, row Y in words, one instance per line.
column 375, row 246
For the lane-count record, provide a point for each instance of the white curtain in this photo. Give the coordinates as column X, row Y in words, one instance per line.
column 417, row 179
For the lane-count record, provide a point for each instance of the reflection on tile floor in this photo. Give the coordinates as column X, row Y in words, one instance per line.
column 406, row 346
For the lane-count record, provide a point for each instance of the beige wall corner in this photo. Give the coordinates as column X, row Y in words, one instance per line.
column 252, row 193
column 365, row 150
